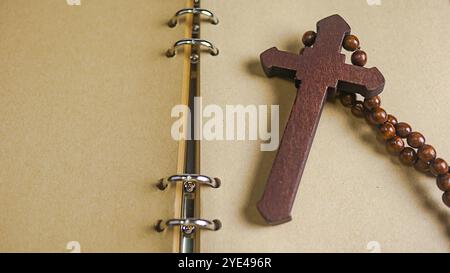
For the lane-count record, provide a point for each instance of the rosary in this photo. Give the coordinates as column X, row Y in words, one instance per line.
column 320, row 71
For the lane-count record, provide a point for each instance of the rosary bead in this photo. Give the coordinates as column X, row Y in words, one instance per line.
column 368, row 118
column 309, row 38
column 395, row 145
column 351, row 42
column 359, row 58
column 372, row 103
column 443, row 182
column 358, row 109
column 392, row 120
column 348, row 99
column 408, row 156
column 439, row 167
column 387, row 131
column 422, row 166
column 403, row 129
column 426, row 153
column 379, row 116
column 446, row 198
column 416, row 140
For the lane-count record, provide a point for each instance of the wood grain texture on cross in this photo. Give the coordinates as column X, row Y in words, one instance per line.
column 318, row 72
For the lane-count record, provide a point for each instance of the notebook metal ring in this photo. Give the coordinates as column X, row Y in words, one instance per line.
column 213, row 225
column 196, row 11
column 171, row 52
column 189, row 180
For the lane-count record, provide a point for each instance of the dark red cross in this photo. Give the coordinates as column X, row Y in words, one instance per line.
column 318, row 72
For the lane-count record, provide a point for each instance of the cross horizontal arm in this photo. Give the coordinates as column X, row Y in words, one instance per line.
column 356, row 79
column 279, row 63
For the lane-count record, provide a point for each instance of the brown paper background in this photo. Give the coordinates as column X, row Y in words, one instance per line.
column 85, row 100
column 352, row 192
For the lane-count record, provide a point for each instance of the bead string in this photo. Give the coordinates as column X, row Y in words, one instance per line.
column 419, row 154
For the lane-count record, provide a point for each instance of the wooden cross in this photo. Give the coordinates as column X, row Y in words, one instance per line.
column 318, row 72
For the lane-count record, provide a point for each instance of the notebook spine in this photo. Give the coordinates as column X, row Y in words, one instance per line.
column 190, row 223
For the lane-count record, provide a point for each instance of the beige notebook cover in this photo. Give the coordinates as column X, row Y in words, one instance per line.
column 85, row 100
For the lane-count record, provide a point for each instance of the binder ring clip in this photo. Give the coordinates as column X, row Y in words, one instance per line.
column 171, row 52
column 189, row 181
column 189, row 225
column 212, row 18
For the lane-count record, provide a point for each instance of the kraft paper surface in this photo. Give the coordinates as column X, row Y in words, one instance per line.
column 353, row 197
column 85, row 100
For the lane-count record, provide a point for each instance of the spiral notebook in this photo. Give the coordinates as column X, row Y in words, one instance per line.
column 86, row 93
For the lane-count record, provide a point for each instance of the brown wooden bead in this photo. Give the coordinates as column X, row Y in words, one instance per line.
column 379, row 116
column 416, row 140
column 351, row 42
column 408, row 156
column 443, row 182
column 392, row 120
column 372, row 103
column 395, row 145
column 403, row 129
column 309, row 38
column 439, row 166
column 426, row 153
column 348, row 99
column 446, row 198
column 359, row 58
column 387, row 131
column 358, row 109
column 368, row 118
column 422, row 166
